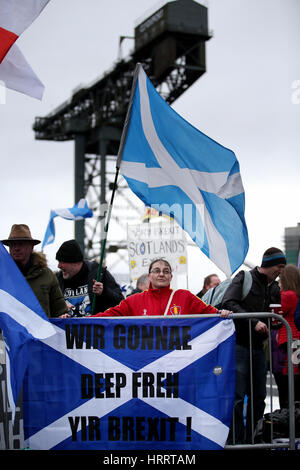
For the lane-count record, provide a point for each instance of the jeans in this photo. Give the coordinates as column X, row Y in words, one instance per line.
column 240, row 433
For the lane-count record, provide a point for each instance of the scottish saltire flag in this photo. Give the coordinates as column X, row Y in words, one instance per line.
column 22, row 320
column 176, row 169
column 131, row 384
column 78, row 212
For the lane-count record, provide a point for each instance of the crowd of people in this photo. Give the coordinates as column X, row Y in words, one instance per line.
column 79, row 289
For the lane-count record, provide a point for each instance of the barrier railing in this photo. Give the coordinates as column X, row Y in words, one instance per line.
column 290, row 439
column 11, row 437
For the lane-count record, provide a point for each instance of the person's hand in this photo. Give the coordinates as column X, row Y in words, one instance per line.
column 261, row 327
column 224, row 313
column 97, row 287
column 65, row 315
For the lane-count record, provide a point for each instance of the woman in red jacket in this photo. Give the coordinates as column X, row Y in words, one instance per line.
column 290, row 293
column 160, row 299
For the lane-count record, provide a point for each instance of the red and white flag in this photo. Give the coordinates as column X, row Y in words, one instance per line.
column 15, row 72
column 15, row 17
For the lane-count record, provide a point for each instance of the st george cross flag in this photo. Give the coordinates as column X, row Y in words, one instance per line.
column 131, row 384
column 22, row 320
column 15, row 17
column 78, row 212
column 18, row 75
column 178, row 170
column 15, row 72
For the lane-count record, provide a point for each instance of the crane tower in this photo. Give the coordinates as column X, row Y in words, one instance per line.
column 170, row 44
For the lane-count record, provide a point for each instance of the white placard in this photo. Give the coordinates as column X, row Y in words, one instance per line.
column 149, row 241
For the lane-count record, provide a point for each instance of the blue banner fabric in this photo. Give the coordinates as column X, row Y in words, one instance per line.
column 131, row 384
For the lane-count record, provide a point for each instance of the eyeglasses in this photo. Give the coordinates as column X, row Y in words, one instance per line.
column 158, row 271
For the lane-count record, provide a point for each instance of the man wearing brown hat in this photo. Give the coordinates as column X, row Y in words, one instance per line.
column 33, row 266
column 264, row 291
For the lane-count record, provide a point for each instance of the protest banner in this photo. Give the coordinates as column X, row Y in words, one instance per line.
column 131, row 384
column 149, row 241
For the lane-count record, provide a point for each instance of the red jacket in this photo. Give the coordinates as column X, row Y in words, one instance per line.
column 289, row 301
column 154, row 302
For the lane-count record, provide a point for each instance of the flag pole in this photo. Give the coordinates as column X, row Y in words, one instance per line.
column 128, row 115
column 118, row 164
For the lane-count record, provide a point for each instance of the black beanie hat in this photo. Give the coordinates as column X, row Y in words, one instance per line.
column 69, row 252
column 272, row 257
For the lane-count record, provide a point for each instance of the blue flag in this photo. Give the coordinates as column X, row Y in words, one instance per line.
column 179, row 171
column 78, row 212
column 131, row 384
column 22, row 320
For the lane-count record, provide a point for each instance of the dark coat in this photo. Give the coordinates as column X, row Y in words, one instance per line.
column 44, row 284
column 135, row 291
column 261, row 295
column 111, row 294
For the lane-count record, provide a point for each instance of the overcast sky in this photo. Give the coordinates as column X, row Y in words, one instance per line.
column 248, row 100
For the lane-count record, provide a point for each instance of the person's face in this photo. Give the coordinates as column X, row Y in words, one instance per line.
column 69, row 269
column 144, row 285
column 274, row 271
column 20, row 251
column 160, row 275
column 214, row 281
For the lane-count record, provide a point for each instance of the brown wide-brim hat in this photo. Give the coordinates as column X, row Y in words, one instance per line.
column 20, row 233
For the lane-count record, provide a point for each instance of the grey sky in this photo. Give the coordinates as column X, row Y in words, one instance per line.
column 245, row 101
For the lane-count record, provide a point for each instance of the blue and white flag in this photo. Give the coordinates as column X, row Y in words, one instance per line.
column 179, row 171
column 78, row 212
column 22, row 320
column 131, row 384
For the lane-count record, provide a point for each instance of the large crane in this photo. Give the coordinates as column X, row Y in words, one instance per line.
column 170, row 44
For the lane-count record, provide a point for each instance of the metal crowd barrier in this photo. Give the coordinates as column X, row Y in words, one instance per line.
column 11, row 435
column 288, row 442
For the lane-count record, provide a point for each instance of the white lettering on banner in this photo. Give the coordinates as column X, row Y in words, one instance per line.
column 156, row 384
column 296, row 351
